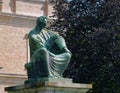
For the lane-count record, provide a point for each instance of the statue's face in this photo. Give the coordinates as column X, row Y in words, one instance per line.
column 42, row 21
column 45, row 22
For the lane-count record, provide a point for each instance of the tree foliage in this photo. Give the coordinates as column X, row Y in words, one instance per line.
column 92, row 32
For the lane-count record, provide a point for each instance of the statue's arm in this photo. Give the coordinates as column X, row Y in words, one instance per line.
column 62, row 44
column 33, row 43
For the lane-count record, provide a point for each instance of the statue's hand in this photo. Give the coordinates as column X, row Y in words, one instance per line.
column 50, row 42
column 60, row 42
column 28, row 65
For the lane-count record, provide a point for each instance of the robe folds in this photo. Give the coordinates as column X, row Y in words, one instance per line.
column 49, row 55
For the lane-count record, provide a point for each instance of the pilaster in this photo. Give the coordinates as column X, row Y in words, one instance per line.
column 0, row 6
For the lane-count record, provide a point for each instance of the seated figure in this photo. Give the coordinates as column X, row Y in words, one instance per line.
column 49, row 55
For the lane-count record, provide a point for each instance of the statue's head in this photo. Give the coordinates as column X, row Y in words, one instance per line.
column 41, row 21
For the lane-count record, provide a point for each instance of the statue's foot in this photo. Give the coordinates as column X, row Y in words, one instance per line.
column 30, row 81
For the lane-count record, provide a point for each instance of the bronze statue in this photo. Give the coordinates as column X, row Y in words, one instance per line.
column 48, row 52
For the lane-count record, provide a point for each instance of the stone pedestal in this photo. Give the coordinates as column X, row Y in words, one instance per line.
column 50, row 87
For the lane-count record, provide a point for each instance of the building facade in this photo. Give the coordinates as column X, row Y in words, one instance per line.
column 17, row 18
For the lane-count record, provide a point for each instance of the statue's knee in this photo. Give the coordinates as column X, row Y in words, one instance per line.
column 43, row 51
column 68, row 55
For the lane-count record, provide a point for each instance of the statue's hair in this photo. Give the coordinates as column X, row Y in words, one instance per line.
column 40, row 19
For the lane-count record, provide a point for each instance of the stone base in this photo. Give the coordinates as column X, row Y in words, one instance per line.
column 48, row 79
column 50, row 87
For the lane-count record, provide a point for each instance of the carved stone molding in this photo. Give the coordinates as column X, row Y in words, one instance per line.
column 6, row 75
column 17, row 20
column 33, row 1
column 36, row 1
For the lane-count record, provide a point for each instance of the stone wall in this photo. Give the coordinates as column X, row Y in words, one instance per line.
column 17, row 18
column 8, row 80
column 13, row 43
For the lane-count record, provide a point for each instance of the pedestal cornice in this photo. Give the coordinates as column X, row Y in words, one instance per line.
column 50, row 86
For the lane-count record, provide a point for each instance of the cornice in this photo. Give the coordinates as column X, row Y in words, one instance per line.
column 36, row 1
column 21, row 16
column 16, row 20
column 33, row 1
column 18, row 16
column 13, row 75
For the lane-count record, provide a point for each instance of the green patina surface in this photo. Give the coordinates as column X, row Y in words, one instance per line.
column 48, row 52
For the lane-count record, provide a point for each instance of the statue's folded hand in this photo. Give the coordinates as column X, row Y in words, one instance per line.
column 60, row 42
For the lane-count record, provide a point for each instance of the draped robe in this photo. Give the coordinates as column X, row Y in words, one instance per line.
column 49, row 55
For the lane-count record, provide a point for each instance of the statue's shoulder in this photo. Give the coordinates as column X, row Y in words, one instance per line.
column 51, row 32
column 31, row 34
